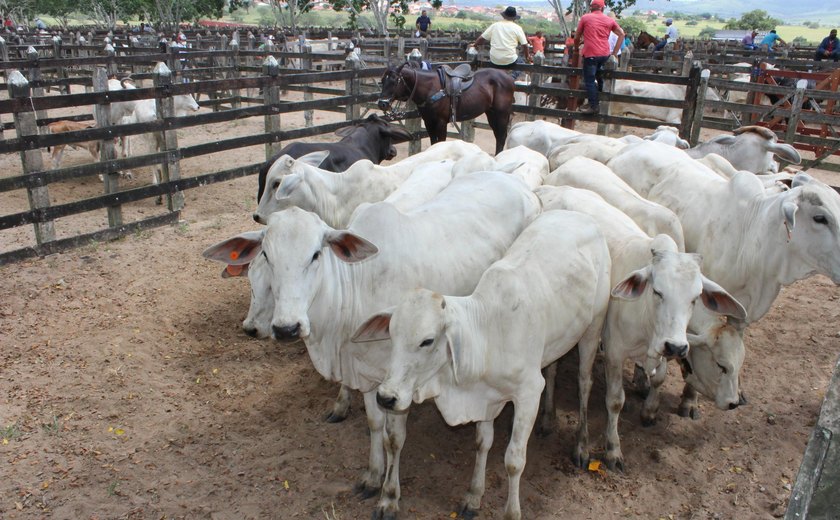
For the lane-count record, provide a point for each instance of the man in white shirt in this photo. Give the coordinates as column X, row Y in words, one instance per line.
column 505, row 37
column 670, row 35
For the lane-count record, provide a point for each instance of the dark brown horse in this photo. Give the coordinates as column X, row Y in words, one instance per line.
column 645, row 40
column 491, row 93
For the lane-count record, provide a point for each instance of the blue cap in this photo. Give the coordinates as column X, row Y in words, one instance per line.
column 669, row 21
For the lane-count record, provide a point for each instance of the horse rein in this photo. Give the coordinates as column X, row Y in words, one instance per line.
column 393, row 114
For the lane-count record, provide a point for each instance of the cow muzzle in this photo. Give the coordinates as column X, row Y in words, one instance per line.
column 676, row 350
column 286, row 332
column 259, row 219
column 387, row 402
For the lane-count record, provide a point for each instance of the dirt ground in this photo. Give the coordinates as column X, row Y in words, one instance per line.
column 128, row 390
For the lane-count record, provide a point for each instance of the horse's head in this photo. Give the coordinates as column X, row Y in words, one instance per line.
column 393, row 87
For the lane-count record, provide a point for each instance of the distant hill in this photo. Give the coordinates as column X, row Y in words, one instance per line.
column 826, row 13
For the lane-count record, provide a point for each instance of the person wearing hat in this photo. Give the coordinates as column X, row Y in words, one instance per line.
column 39, row 24
column 595, row 28
column 748, row 41
column 670, row 35
column 770, row 39
column 505, row 37
column 829, row 48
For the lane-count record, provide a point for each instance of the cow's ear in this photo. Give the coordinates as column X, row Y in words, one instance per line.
column 349, row 247
column 727, row 140
column 288, row 185
column 239, row 250
column 455, row 347
column 233, row 271
column 633, row 286
column 717, row 300
column 789, row 208
column 509, row 167
column 314, row 158
column 398, row 134
column 682, row 144
column 345, row 131
column 375, row 328
column 785, row 151
column 695, row 340
column 801, row 179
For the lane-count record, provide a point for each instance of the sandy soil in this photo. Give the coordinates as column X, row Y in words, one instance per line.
column 128, row 390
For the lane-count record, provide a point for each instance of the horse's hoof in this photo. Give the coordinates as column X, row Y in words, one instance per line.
column 364, row 491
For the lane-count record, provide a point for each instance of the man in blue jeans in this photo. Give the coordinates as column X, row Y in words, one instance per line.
column 670, row 35
column 595, row 28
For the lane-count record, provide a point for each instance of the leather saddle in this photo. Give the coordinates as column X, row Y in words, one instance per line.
column 455, row 82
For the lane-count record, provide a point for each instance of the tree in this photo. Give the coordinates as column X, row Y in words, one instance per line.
column 58, row 9
column 287, row 13
column 382, row 11
column 756, row 19
column 578, row 8
column 632, row 25
column 707, row 33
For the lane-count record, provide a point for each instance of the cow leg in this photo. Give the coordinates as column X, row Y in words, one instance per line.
column 587, row 349
column 483, row 442
column 640, row 381
column 613, row 364
column 341, row 406
column 689, row 406
column 389, row 500
column 525, row 413
column 57, row 154
column 548, row 417
column 651, row 404
column 372, row 478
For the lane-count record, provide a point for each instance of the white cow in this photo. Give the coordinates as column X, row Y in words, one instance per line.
column 644, row 325
column 646, row 90
column 527, row 164
column 751, row 148
column 334, row 196
column 474, row 354
column 591, row 175
column 753, row 242
column 537, row 135
column 322, row 297
column 597, row 147
column 668, row 135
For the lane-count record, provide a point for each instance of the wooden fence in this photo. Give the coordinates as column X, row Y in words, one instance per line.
column 239, row 74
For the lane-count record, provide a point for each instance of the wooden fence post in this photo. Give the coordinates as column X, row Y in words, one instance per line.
column 271, row 95
column 330, row 44
column 26, row 124
column 400, row 48
column 353, row 86
column 795, row 111
column 111, row 63
column 165, row 108
column 61, row 71
column 102, row 115
column 235, row 74
column 690, row 100
column 424, row 49
column 4, row 50
column 386, row 49
column 35, row 76
column 536, row 80
column 413, row 124
column 699, row 106
column 687, row 63
column 307, row 94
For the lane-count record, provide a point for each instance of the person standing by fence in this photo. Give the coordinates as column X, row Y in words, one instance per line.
column 595, row 28
column 537, row 43
column 670, row 35
column 505, row 37
column 828, row 48
column 422, row 24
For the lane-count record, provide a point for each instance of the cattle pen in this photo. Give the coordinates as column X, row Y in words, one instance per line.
column 129, row 390
column 227, row 77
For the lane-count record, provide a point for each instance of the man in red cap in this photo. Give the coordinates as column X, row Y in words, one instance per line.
column 595, row 28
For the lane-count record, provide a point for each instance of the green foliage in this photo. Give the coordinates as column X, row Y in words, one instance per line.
column 617, row 6
column 812, row 25
column 632, row 25
column 707, row 33
column 756, row 19
column 800, row 40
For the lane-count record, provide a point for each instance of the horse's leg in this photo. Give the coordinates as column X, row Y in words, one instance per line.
column 499, row 120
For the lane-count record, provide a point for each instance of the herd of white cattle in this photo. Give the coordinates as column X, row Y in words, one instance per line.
column 457, row 276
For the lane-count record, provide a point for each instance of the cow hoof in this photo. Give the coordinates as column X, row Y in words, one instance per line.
column 647, row 422
column 615, row 464
column 467, row 513
column 690, row 411
column 380, row 514
column 364, row 491
column 333, row 417
column 581, row 459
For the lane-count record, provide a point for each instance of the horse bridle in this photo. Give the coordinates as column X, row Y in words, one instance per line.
column 393, row 114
